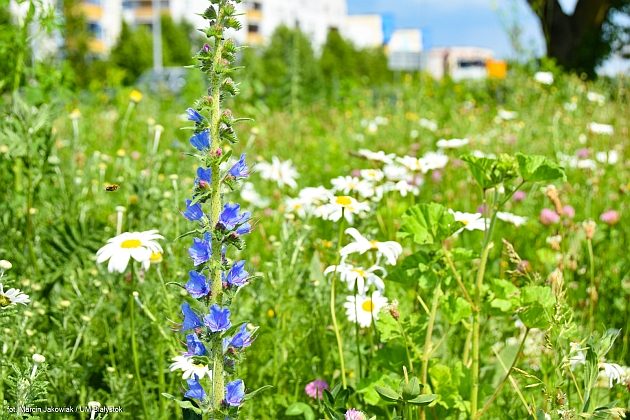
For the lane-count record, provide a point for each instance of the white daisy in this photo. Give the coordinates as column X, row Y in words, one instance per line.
column 189, row 367
column 281, row 172
column 412, row 163
column 315, row 195
column 379, row 156
column 471, row 221
column 359, row 276
column 298, row 207
column 362, row 309
column 452, row 143
column 611, row 157
column 395, row 172
column 391, row 250
column 341, row 205
column 428, row 124
column 372, row 175
column 544, row 77
column 136, row 245
column 596, row 97
column 433, row 160
column 12, row 297
column 613, row 372
column 511, row 218
column 350, row 184
column 597, row 128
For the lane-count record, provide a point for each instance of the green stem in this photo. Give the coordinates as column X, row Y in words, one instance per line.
column 592, row 294
column 356, row 331
column 505, row 378
column 426, row 352
column 333, row 305
column 487, row 246
column 136, row 360
column 218, row 387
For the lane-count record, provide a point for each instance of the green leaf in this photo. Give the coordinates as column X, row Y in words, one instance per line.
column 423, row 399
column 537, row 304
column 411, row 390
column 186, row 405
column 252, row 394
column 489, row 172
column 541, row 295
column 428, row 224
column 388, row 328
column 387, row 393
column 455, row 308
column 300, row 408
column 536, row 168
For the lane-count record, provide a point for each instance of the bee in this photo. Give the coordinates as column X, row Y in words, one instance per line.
column 112, row 187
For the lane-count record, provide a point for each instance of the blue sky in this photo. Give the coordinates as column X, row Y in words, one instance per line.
column 479, row 23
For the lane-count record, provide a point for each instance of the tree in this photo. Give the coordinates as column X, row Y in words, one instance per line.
column 581, row 41
column 76, row 40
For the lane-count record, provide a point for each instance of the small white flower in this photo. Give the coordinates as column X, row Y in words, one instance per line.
column 249, row 194
column 596, row 97
column 350, row 184
column 372, row 175
column 511, row 218
column 433, row 160
column 12, row 297
column 298, row 207
column 576, row 355
column 362, row 309
column 38, row 358
column 471, row 221
column 452, row 143
column 395, row 172
column 5, row 265
column 544, row 77
column 391, row 250
column 136, row 245
column 281, row 172
column 428, row 124
column 315, row 195
column 379, row 156
column 341, row 205
column 480, row 154
column 570, row 106
column 359, row 276
column 605, row 129
column 613, row 372
column 506, row 115
column 189, row 368
column 611, row 157
column 404, row 188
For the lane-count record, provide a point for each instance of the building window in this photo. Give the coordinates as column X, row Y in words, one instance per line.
column 95, row 29
column 253, row 28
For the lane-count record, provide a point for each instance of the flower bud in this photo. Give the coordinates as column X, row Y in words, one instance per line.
column 589, row 229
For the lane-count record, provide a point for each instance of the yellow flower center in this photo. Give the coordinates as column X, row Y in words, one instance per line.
column 373, row 244
column 4, row 301
column 344, row 200
column 367, row 306
column 465, row 222
column 131, row 243
column 156, row 257
column 135, row 96
column 359, row 272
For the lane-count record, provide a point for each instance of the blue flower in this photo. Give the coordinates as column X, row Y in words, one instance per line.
column 201, row 250
column 218, row 319
column 234, row 393
column 197, row 285
column 240, row 169
column 242, row 338
column 237, row 276
column 195, row 346
column 195, row 390
column 201, row 141
column 193, row 212
column 244, row 229
column 193, row 115
column 191, row 320
column 204, row 177
column 230, row 217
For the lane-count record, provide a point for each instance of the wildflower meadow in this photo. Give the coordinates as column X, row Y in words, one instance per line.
column 322, row 248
